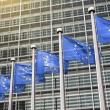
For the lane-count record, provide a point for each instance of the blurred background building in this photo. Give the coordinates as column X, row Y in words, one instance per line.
column 26, row 22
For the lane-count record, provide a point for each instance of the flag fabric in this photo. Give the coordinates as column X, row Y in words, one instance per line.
column 17, row 88
column 40, row 78
column 22, row 73
column 48, row 63
column 103, row 29
column 4, row 84
column 76, row 50
column 2, row 97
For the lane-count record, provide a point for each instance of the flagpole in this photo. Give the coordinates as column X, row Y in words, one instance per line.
column 62, row 88
column 11, row 84
column 33, row 47
column 102, row 101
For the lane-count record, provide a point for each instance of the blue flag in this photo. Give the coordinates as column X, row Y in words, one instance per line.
column 2, row 97
column 40, row 78
column 103, row 29
column 75, row 50
column 17, row 88
column 22, row 73
column 48, row 63
column 4, row 84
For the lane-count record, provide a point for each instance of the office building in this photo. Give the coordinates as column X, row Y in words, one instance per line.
column 26, row 22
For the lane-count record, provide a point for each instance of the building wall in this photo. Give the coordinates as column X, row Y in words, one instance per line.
column 26, row 22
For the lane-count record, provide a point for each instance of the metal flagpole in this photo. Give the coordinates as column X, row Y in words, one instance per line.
column 62, row 90
column 33, row 47
column 11, row 84
column 51, row 16
column 102, row 101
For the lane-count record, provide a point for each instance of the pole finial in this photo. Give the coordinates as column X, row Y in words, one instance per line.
column 59, row 30
column 33, row 46
column 13, row 59
column 91, row 9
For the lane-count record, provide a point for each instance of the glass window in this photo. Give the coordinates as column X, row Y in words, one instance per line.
column 5, row 53
column 94, row 79
column 14, row 36
column 54, row 2
column 67, row 14
column 24, row 35
column 108, row 6
column 6, row 38
column 23, row 51
column 81, row 27
column 86, row 100
column 97, row 1
column 87, row 2
column 25, row 6
column 16, row 51
column 21, row 105
column 68, row 29
column 78, row 12
column 45, row 2
column 7, row 23
column 74, row 101
column 96, row 99
column 15, row 8
column 56, row 47
column 80, row 18
column 1, row 38
column 3, row 10
column 46, row 32
column 35, row 33
column 77, row 3
column 1, row 23
column 45, row 17
column 3, row 70
column 37, row 4
column 84, row 80
column 101, row 8
column 35, row 18
column 88, row 26
column 66, row 1
column 107, row 77
column 15, row 22
column 11, row 52
column 76, row 27
column 57, row 15
column 8, row 9
column 25, row 20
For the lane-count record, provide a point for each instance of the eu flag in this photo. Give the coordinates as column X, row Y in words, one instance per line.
column 2, row 97
column 76, row 50
column 4, row 84
column 103, row 29
column 48, row 62
column 17, row 88
column 22, row 73
column 40, row 78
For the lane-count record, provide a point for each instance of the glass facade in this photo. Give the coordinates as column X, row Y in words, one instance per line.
column 26, row 22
